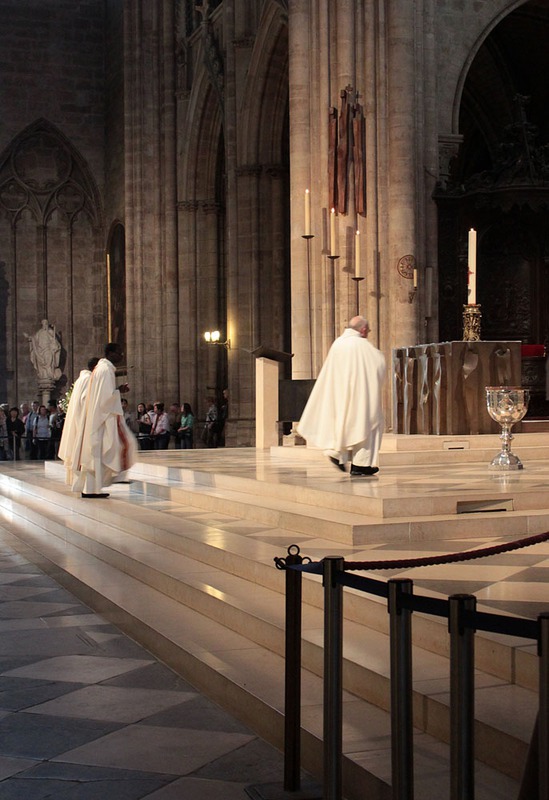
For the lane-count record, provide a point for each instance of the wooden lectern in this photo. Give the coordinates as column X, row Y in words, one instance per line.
column 267, row 368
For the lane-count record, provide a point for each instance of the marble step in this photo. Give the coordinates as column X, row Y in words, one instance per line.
column 248, row 681
column 418, row 449
column 373, row 499
column 226, row 599
column 354, row 529
column 507, row 658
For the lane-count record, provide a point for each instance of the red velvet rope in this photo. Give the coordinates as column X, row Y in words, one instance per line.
column 448, row 558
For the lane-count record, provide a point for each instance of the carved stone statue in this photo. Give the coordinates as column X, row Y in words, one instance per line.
column 45, row 353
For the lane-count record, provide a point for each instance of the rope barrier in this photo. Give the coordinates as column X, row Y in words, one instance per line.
column 448, row 558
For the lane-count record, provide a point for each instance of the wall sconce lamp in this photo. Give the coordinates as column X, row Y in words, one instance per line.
column 213, row 337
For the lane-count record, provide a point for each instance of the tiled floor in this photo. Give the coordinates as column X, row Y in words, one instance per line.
column 87, row 714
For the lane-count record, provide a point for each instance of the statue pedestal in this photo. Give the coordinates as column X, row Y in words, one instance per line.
column 45, row 388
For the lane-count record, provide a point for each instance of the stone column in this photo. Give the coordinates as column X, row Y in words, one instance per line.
column 150, row 197
column 302, row 177
column 405, row 163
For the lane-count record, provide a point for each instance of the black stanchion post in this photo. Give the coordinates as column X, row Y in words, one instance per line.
column 333, row 694
column 291, row 787
column 292, row 691
column 402, row 756
column 462, row 698
column 543, row 716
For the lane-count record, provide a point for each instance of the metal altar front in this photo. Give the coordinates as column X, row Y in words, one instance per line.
column 440, row 388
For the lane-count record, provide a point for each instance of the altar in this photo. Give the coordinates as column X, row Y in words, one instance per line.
column 439, row 388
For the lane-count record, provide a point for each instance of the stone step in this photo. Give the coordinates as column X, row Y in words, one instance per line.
column 248, row 681
column 507, row 658
column 372, row 500
column 226, row 599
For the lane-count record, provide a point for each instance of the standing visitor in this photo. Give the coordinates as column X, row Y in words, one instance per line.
column 186, row 426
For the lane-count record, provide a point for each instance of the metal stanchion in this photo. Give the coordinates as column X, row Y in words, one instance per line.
column 402, row 755
column 292, row 693
column 543, row 716
column 462, row 699
column 292, row 690
column 333, row 693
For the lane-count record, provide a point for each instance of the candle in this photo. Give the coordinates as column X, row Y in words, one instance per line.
column 472, row 267
column 415, row 277
column 307, row 212
column 358, row 265
column 333, row 232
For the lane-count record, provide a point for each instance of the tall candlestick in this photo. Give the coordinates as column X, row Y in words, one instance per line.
column 307, row 212
column 472, row 270
column 333, row 232
column 358, row 265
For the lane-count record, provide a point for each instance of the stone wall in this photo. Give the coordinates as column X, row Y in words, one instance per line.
column 52, row 126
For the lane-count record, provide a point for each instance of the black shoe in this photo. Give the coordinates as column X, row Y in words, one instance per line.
column 363, row 470
column 101, row 494
column 336, row 463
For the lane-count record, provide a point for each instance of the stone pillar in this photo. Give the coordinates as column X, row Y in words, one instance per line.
column 405, row 164
column 302, row 177
column 150, row 198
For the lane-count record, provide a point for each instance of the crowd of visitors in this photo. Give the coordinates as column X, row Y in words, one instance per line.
column 31, row 432
column 157, row 428
column 34, row 431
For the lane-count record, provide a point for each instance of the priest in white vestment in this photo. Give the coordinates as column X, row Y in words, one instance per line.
column 71, row 438
column 108, row 447
column 344, row 415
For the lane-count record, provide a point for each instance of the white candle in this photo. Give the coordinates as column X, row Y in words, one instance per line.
column 472, row 267
column 333, row 232
column 415, row 277
column 358, row 265
column 307, row 212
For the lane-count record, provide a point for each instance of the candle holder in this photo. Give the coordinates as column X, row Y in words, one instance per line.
column 471, row 322
column 333, row 258
column 411, row 294
column 357, row 280
column 308, row 236
column 506, row 405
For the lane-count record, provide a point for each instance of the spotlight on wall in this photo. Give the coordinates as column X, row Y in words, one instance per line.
column 213, row 337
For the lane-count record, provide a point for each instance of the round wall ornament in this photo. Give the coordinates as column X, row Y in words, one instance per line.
column 406, row 266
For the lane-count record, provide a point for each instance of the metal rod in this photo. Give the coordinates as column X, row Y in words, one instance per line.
column 333, row 695
column 292, row 692
column 543, row 716
column 462, row 700
column 402, row 760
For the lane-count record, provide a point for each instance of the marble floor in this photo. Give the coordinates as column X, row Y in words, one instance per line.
column 87, row 714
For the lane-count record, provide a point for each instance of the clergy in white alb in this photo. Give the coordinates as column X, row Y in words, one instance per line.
column 344, row 415
column 71, row 438
column 108, row 446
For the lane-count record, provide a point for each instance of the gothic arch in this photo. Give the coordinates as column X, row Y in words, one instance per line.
column 472, row 54
column 51, row 235
column 61, row 180
column 265, row 105
column 203, row 135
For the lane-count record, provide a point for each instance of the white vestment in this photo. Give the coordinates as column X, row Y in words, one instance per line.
column 108, row 447
column 344, row 414
column 71, row 438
